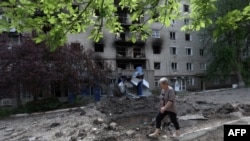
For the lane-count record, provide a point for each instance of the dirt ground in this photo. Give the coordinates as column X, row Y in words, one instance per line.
column 126, row 119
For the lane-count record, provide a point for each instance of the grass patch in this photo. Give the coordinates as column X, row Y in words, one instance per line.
column 6, row 112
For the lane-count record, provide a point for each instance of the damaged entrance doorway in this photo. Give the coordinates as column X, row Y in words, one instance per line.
column 180, row 84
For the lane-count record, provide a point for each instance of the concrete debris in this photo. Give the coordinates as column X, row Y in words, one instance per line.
column 98, row 121
column 130, row 133
column 55, row 124
column 226, row 109
column 130, row 119
column 192, row 117
column 59, row 134
column 113, row 126
column 32, row 139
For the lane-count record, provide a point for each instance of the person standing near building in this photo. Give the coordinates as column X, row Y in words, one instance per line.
column 167, row 108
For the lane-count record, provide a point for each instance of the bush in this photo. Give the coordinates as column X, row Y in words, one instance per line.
column 80, row 101
column 156, row 91
column 7, row 111
column 43, row 105
column 4, row 112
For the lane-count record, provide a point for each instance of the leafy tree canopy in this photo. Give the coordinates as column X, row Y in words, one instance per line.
column 53, row 19
column 229, row 38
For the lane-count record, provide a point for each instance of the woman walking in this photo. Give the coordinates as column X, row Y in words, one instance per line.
column 167, row 108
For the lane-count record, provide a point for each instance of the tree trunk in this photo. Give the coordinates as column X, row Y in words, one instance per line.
column 18, row 97
column 18, row 100
column 35, row 94
column 241, row 82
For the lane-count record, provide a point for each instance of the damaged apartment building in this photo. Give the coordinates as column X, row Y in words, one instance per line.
column 168, row 52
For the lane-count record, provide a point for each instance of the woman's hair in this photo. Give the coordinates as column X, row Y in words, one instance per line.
column 163, row 80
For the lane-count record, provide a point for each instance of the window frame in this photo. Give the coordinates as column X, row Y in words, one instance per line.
column 172, row 35
column 186, row 21
column 190, row 66
column 186, row 8
column 157, row 65
column 203, row 66
column 201, row 52
column 188, row 37
column 191, row 81
column 174, row 66
column 156, row 49
column 171, row 50
column 156, row 82
column 156, row 34
column 187, row 51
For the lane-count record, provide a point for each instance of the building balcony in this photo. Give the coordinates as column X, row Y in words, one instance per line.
column 124, row 20
column 124, row 40
column 130, row 55
column 130, row 72
column 126, row 43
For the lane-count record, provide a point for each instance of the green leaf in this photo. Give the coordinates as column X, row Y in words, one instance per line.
column 4, row 4
column 12, row 2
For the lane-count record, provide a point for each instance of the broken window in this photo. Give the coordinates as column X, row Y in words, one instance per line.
column 99, row 47
column 121, row 52
column 122, row 65
column 157, row 65
column 156, row 49
column 138, row 53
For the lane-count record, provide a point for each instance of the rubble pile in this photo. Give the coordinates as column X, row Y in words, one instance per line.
column 123, row 119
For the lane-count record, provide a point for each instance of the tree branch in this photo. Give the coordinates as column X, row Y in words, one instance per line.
column 100, row 27
column 78, row 17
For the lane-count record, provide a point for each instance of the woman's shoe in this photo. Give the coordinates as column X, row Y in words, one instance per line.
column 175, row 135
column 154, row 135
